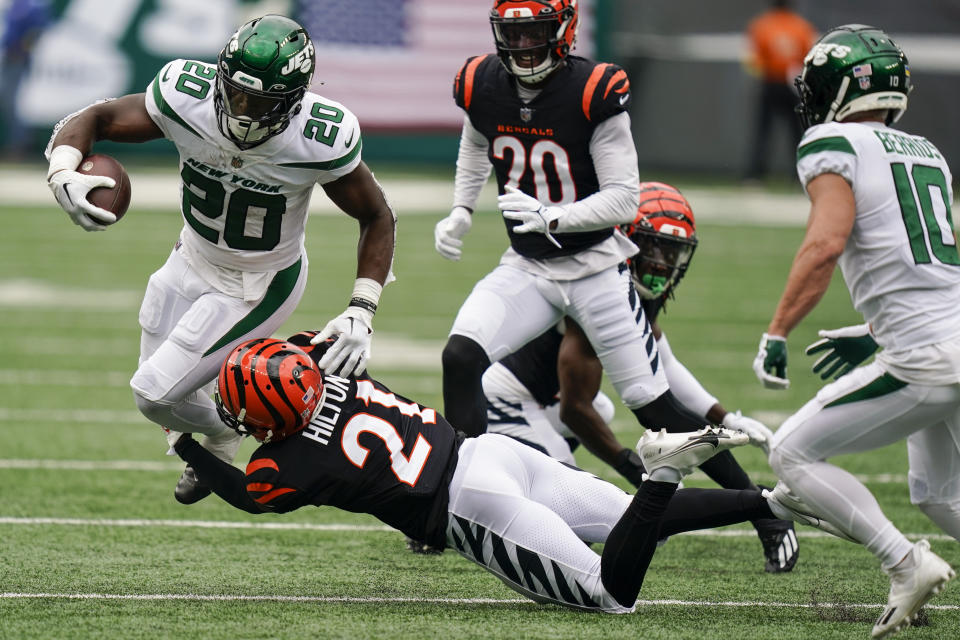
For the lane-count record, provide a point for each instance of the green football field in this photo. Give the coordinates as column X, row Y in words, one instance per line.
column 94, row 545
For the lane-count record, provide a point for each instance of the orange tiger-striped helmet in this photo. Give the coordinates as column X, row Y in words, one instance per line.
column 268, row 389
column 665, row 232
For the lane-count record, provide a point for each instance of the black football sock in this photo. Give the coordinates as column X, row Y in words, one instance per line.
column 666, row 412
column 693, row 509
column 633, row 540
column 464, row 405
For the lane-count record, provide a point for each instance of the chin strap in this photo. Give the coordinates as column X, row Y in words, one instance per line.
column 841, row 94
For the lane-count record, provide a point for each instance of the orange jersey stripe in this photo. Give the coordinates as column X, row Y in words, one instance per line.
column 267, row 497
column 468, row 80
column 592, row 82
column 261, row 463
column 259, row 487
column 617, row 77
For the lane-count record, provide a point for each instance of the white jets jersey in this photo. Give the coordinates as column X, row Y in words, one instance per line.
column 900, row 263
column 247, row 210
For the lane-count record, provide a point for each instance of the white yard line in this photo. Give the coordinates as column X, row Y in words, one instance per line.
column 391, row 351
column 65, row 378
column 91, row 465
column 193, row 524
column 306, row 526
column 150, row 465
column 95, row 416
column 193, row 597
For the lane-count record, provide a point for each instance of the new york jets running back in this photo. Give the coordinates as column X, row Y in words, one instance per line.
column 880, row 208
column 253, row 141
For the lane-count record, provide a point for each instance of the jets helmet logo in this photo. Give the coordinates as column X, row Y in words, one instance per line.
column 818, row 55
column 301, row 62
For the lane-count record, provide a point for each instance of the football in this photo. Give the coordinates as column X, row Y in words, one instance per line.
column 115, row 200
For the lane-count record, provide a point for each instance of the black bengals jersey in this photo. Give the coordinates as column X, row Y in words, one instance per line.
column 544, row 145
column 535, row 366
column 367, row 450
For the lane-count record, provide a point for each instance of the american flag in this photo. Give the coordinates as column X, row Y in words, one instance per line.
column 392, row 62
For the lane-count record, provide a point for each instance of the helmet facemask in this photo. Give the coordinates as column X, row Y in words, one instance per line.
column 533, row 37
column 262, row 76
column 249, row 116
column 661, row 262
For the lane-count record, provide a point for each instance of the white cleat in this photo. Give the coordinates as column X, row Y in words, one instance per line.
column 688, row 450
column 911, row 588
column 787, row 506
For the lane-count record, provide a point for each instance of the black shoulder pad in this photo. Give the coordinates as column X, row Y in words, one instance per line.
column 464, row 82
column 606, row 93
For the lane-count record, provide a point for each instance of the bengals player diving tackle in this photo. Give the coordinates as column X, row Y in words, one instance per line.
column 352, row 443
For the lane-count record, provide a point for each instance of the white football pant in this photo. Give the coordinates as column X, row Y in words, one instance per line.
column 865, row 410
column 509, row 307
column 188, row 328
column 525, row 517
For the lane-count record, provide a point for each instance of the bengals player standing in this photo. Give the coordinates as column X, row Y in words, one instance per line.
column 555, row 129
column 354, row 444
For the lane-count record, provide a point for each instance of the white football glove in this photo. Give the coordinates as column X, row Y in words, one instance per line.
column 447, row 233
column 348, row 355
column 759, row 434
column 770, row 365
column 70, row 188
column 534, row 216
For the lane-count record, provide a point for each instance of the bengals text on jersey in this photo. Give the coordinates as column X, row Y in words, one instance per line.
column 542, row 146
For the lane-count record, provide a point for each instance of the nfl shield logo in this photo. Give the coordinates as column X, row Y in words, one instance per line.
column 526, row 113
column 237, row 162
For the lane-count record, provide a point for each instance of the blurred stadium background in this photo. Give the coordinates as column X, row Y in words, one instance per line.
column 94, row 545
column 392, row 62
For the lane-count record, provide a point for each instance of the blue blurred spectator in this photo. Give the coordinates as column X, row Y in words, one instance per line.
column 23, row 23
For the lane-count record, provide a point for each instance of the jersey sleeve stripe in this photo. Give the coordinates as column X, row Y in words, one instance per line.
column 329, row 165
column 267, row 497
column 591, row 86
column 833, row 143
column 614, row 80
column 259, row 487
column 278, row 291
column 468, row 79
column 261, row 463
column 167, row 110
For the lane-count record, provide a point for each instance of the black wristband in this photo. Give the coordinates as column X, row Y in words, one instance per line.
column 363, row 303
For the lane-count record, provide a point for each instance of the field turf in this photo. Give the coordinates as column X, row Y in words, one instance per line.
column 94, row 545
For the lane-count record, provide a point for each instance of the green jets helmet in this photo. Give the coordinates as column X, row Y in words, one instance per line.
column 853, row 68
column 262, row 74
